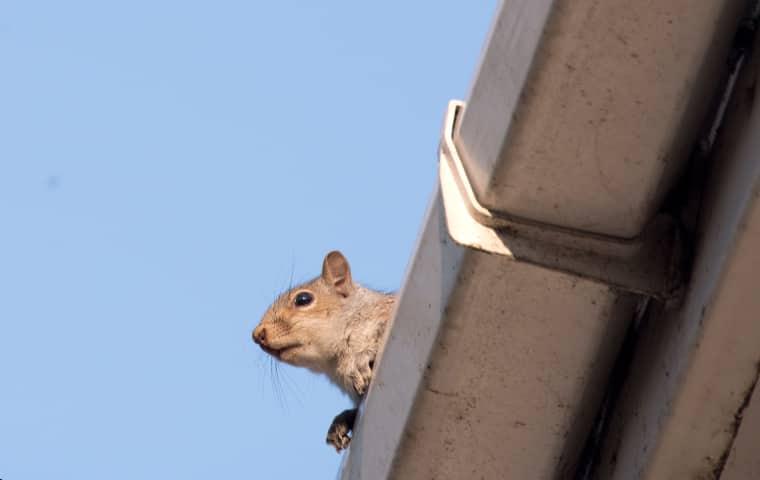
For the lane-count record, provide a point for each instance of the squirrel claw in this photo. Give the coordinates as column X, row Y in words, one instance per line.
column 337, row 434
column 338, row 438
column 360, row 386
column 362, row 377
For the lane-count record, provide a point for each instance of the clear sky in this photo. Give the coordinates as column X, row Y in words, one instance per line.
column 165, row 167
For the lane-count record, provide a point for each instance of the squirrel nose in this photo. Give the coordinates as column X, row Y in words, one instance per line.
column 260, row 335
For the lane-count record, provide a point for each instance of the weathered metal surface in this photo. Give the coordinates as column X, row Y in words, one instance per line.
column 647, row 265
column 583, row 111
column 580, row 117
column 698, row 365
column 516, row 375
column 494, row 367
column 430, row 279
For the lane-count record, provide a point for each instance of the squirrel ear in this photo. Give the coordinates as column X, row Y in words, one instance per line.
column 336, row 273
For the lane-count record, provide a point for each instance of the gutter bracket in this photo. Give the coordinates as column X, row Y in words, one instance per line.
column 647, row 264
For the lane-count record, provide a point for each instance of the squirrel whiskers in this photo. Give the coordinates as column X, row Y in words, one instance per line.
column 330, row 325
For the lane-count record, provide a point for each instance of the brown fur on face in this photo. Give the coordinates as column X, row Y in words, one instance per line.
column 302, row 336
column 330, row 325
column 337, row 333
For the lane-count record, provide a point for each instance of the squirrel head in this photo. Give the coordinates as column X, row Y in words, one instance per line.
column 304, row 324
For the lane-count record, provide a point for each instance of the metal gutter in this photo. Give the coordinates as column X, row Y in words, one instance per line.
column 495, row 361
column 541, row 244
column 647, row 265
column 430, row 279
column 690, row 408
column 743, row 462
column 583, row 111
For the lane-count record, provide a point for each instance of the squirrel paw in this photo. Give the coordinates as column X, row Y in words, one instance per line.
column 362, row 377
column 361, row 384
column 337, row 435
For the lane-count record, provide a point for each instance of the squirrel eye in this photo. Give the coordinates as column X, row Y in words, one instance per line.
column 303, row 298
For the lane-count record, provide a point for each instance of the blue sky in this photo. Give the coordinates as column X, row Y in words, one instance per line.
column 165, row 167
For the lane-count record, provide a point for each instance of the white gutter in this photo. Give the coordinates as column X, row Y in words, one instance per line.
column 582, row 112
column 541, row 241
column 689, row 409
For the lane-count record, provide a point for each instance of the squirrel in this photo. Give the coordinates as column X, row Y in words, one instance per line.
column 333, row 326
